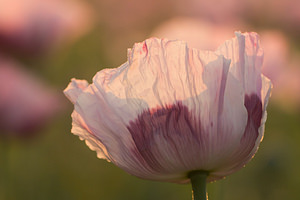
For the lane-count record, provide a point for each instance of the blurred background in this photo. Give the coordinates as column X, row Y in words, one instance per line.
column 45, row 43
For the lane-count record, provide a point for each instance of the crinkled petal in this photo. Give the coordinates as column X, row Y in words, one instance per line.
column 159, row 75
column 265, row 94
column 80, row 129
column 75, row 88
column 114, row 142
column 246, row 57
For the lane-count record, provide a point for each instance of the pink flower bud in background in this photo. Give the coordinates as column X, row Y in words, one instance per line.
column 220, row 11
column 36, row 26
column 200, row 34
column 283, row 68
column 171, row 109
column 280, row 13
column 287, row 89
column 276, row 50
column 26, row 104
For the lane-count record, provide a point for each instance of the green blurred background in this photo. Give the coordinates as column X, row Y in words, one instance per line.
column 54, row 164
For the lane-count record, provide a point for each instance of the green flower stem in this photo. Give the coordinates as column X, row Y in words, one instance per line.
column 198, row 180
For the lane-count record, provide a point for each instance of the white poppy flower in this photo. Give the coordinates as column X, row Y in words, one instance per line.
column 170, row 109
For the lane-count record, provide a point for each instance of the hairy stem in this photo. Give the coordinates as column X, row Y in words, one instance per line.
column 198, row 180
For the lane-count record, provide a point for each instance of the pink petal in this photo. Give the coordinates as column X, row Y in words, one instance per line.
column 75, row 88
column 99, row 122
column 80, row 129
column 246, row 57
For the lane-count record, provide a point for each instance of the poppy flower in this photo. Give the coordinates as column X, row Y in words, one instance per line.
column 34, row 27
column 171, row 110
column 26, row 103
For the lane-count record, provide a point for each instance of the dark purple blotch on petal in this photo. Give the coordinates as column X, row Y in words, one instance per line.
column 176, row 125
column 254, row 108
column 253, row 105
column 168, row 123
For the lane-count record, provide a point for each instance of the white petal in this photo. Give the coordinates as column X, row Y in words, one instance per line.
column 246, row 57
column 201, row 124
column 156, row 75
column 75, row 88
column 80, row 129
column 265, row 94
column 102, row 123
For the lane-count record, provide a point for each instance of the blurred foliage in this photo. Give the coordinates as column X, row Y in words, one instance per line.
column 57, row 165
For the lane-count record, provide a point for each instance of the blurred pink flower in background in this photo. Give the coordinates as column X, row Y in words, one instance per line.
column 200, row 34
column 118, row 14
column 26, row 103
column 287, row 89
column 283, row 68
column 276, row 54
column 220, row 11
column 170, row 109
column 36, row 26
column 281, row 13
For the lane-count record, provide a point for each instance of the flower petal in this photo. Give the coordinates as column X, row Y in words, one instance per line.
column 80, row 129
column 94, row 115
column 246, row 57
column 198, row 101
column 247, row 61
column 75, row 88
